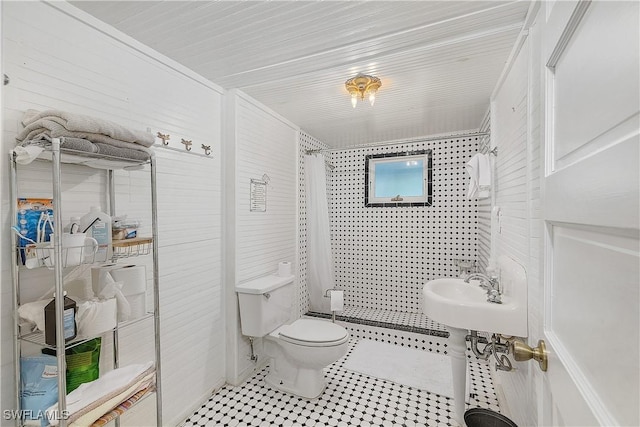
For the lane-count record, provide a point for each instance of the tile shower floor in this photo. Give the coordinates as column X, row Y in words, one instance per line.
column 351, row 399
column 416, row 320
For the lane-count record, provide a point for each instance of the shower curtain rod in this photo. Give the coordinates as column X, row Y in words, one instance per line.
column 397, row 142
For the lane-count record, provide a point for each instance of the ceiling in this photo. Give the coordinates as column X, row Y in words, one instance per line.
column 438, row 61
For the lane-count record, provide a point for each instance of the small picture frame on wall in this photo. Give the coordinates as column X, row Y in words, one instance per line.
column 258, row 196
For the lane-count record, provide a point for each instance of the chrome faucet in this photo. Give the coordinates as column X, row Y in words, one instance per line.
column 490, row 283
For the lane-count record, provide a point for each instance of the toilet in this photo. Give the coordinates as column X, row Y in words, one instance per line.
column 298, row 351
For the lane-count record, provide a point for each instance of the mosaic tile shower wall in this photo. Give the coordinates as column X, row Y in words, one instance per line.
column 384, row 255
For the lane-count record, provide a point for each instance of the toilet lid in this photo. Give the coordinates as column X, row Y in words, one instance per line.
column 310, row 332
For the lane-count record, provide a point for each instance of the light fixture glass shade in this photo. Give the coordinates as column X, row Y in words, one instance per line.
column 362, row 85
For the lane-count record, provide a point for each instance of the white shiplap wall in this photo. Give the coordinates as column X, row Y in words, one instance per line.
column 58, row 57
column 259, row 145
column 266, row 146
column 485, row 205
column 515, row 131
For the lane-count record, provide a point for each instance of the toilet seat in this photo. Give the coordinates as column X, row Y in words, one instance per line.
column 313, row 333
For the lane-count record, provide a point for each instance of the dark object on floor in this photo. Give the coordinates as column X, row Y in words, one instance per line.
column 478, row 417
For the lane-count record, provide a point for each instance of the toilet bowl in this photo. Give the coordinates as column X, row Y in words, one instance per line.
column 300, row 351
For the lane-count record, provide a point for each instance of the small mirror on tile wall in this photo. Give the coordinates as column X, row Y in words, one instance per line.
column 398, row 179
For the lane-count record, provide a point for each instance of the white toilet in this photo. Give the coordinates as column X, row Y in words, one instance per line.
column 298, row 351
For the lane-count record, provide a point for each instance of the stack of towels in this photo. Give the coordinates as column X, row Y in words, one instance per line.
column 91, row 400
column 82, row 133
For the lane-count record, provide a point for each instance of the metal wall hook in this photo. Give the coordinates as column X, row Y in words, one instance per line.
column 164, row 138
column 187, row 144
column 6, row 80
column 207, row 149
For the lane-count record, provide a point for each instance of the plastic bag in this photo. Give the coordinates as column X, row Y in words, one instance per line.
column 38, row 385
column 83, row 363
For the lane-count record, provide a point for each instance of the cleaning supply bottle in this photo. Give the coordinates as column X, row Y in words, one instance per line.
column 69, row 320
column 97, row 224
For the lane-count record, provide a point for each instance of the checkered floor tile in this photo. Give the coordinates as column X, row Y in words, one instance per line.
column 350, row 399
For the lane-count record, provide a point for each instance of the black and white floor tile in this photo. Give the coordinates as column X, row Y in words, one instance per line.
column 351, row 399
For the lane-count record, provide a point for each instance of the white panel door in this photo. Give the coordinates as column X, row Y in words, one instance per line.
column 591, row 214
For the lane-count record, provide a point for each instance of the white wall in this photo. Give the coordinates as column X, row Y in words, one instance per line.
column 60, row 58
column 516, row 131
column 259, row 144
column 485, row 205
column 509, row 133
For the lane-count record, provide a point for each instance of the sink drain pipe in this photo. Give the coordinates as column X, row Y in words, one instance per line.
column 494, row 347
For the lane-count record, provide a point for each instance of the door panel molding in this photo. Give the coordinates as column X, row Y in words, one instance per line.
column 578, row 364
column 567, row 33
column 591, row 212
column 588, row 409
column 610, row 177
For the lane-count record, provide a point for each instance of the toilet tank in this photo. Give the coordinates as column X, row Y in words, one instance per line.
column 265, row 304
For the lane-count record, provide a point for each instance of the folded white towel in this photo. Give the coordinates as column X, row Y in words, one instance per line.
column 88, row 419
column 33, row 312
column 90, row 395
column 84, row 124
column 26, row 155
column 479, row 169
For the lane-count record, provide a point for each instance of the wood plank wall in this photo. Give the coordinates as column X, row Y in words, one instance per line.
column 60, row 58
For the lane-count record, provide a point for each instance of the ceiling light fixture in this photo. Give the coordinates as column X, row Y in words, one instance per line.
column 362, row 85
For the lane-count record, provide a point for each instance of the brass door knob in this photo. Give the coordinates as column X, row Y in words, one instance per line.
column 522, row 352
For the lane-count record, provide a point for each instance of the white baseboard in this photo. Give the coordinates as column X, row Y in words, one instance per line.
column 249, row 371
column 181, row 418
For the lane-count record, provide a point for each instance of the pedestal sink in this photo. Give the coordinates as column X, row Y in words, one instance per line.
column 453, row 302
column 462, row 306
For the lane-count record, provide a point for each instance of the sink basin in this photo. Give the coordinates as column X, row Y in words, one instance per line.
column 457, row 304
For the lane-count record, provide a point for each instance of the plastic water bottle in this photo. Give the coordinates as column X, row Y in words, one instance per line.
column 97, row 224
